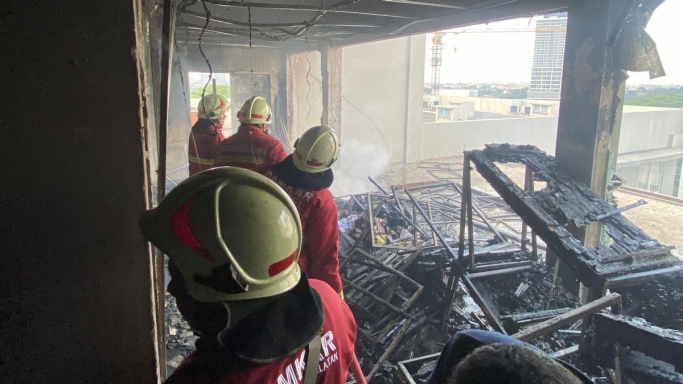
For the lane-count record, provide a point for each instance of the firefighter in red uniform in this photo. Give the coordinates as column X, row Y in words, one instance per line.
column 252, row 147
column 207, row 133
column 306, row 176
column 235, row 237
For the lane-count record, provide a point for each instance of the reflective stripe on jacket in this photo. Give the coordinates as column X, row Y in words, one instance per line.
column 250, row 148
column 202, row 148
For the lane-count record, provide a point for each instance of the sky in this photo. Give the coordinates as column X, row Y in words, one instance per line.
column 507, row 56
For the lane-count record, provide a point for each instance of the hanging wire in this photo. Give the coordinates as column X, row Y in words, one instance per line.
column 310, row 67
column 182, row 76
column 187, row 34
column 251, row 48
column 201, row 50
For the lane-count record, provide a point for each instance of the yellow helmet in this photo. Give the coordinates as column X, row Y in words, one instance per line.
column 212, row 107
column 255, row 111
column 234, row 235
column 316, row 150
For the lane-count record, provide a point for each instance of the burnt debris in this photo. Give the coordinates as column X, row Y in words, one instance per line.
column 565, row 205
column 422, row 261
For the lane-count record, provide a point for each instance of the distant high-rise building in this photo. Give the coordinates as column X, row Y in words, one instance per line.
column 546, row 71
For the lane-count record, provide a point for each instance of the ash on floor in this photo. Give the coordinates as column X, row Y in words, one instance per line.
column 179, row 337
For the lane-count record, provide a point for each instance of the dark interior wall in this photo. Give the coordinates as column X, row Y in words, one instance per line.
column 74, row 271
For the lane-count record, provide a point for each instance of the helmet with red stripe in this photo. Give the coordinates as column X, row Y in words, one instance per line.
column 316, row 150
column 234, row 235
column 255, row 111
column 212, row 107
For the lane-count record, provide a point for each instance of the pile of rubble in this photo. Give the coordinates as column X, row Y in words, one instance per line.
column 407, row 293
column 422, row 261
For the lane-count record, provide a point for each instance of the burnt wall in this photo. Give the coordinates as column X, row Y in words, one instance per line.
column 74, row 272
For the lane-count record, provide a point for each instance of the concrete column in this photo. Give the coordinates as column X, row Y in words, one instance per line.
column 590, row 104
column 330, row 66
column 324, row 48
column 76, row 274
column 413, row 112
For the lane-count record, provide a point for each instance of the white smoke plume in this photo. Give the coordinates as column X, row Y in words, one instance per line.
column 358, row 160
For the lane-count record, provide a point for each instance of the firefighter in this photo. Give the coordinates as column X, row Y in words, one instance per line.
column 252, row 147
column 306, row 176
column 207, row 133
column 235, row 238
column 482, row 357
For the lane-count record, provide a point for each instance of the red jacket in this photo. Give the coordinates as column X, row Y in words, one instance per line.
column 250, row 148
column 336, row 354
column 318, row 211
column 203, row 145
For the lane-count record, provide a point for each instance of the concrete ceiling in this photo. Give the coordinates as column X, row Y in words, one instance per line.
column 302, row 24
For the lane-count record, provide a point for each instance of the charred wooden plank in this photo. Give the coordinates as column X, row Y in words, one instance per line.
column 642, row 277
column 611, row 300
column 498, row 272
column 644, row 369
column 660, row 343
column 567, row 203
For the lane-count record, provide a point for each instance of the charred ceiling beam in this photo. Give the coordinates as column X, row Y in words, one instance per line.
column 240, row 33
column 483, row 12
column 305, row 23
column 440, row 4
column 342, row 7
column 242, row 37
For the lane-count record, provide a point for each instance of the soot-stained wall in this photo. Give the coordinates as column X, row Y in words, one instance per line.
column 74, row 270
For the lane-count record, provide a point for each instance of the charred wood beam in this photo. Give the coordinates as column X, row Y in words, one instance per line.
column 642, row 277
column 405, row 367
column 630, row 256
column 530, row 317
column 612, row 300
column 494, row 322
column 390, row 349
column 498, row 272
column 662, row 344
column 563, row 204
column 565, row 352
column 499, row 266
column 515, row 322
column 555, row 236
column 644, row 369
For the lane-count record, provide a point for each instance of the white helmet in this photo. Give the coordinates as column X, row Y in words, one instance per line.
column 234, row 235
column 316, row 150
column 212, row 107
column 255, row 111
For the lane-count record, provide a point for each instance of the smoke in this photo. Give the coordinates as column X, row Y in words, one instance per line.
column 358, row 160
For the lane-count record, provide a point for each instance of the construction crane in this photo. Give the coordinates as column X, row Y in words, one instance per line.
column 437, row 50
column 437, row 46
